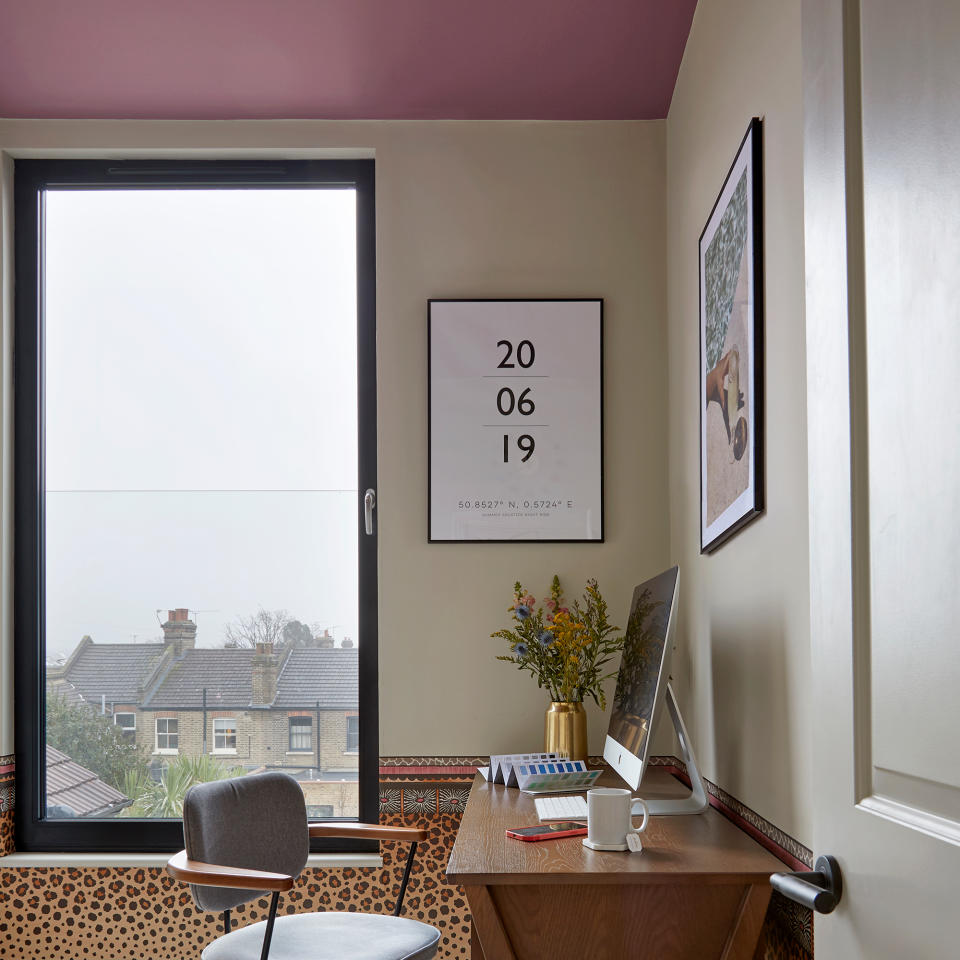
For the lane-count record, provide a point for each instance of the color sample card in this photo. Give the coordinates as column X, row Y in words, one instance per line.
column 501, row 765
column 556, row 782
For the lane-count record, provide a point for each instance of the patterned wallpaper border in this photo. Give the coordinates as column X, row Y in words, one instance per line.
column 422, row 778
column 786, row 848
column 8, row 790
column 409, row 771
column 419, row 787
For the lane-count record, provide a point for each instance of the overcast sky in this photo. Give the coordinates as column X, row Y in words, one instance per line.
column 201, row 410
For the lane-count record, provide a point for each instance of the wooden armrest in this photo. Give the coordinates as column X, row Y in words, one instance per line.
column 368, row 831
column 217, row 875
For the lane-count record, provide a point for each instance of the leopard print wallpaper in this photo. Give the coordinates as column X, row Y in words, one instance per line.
column 100, row 913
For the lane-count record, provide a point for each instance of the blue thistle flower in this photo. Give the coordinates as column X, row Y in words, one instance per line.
column 521, row 649
column 522, row 611
column 545, row 638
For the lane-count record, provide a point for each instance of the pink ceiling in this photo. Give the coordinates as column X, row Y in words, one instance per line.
column 341, row 59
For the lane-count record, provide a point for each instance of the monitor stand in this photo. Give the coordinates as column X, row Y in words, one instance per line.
column 697, row 801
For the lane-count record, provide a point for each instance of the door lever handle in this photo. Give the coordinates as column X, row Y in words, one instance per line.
column 819, row 889
column 369, row 502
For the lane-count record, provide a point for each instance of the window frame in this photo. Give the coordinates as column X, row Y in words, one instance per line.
column 308, row 727
column 166, row 751
column 124, row 729
column 354, row 719
column 32, row 178
column 224, row 751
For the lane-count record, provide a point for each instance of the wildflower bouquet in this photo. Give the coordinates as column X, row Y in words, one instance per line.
column 565, row 648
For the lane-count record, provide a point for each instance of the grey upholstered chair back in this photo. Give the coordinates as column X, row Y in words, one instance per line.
column 258, row 822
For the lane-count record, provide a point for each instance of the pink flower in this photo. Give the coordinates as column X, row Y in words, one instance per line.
column 550, row 604
column 529, row 600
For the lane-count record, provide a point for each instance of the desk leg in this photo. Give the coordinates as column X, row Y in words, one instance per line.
column 742, row 941
column 476, row 951
column 487, row 927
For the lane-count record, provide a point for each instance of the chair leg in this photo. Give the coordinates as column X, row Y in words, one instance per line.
column 268, row 933
column 406, row 877
column 226, row 921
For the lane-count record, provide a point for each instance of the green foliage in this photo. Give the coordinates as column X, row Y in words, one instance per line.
column 165, row 799
column 564, row 648
column 92, row 740
column 294, row 631
column 722, row 270
column 638, row 677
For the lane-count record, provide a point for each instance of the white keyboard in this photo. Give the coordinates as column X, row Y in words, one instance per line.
column 561, row 808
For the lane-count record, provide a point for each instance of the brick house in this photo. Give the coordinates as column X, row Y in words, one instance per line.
column 294, row 709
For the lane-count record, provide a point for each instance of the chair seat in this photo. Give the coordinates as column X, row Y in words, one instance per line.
column 330, row 936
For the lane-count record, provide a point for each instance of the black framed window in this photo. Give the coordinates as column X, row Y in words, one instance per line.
column 183, row 331
column 301, row 734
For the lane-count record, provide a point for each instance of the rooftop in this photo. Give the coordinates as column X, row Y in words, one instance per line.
column 112, row 670
column 76, row 789
column 226, row 675
column 326, row 674
column 118, row 672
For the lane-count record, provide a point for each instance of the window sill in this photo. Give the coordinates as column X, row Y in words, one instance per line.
column 299, row 753
column 223, row 753
column 316, row 861
column 165, row 753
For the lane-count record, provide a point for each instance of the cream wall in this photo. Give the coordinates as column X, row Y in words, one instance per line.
column 744, row 671
column 467, row 209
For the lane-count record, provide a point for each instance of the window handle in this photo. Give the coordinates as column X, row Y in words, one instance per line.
column 369, row 502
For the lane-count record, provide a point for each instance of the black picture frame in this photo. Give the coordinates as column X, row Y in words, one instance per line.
column 592, row 386
column 730, row 269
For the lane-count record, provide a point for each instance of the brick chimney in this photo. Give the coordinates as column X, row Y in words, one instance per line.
column 264, row 675
column 346, row 643
column 324, row 640
column 180, row 631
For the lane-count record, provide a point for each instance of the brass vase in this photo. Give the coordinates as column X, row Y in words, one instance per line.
column 565, row 730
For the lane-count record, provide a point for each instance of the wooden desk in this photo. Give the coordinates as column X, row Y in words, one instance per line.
column 698, row 890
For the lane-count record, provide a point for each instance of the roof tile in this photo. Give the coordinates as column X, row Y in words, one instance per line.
column 113, row 670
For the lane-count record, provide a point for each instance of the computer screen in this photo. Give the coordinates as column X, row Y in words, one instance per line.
column 643, row 676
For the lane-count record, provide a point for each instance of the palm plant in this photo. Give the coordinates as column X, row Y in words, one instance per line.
column 165, row 799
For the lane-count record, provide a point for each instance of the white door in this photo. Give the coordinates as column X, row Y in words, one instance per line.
column 882, row 220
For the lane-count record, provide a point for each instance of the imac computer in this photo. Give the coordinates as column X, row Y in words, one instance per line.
column 644, row 692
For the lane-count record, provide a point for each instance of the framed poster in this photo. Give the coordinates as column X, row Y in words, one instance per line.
column 516, row 420
column 731, row 350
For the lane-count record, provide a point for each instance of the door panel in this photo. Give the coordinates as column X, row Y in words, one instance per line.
column 911, row 137
column 882, row 198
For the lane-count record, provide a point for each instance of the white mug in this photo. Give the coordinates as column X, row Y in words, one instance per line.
column 609, row 821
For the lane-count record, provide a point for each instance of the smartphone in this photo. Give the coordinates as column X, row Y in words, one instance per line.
column 549, row 831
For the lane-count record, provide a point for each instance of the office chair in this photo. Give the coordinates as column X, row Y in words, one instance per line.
column 250, row 835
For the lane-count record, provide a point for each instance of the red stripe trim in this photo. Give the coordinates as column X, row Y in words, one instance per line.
column 412, row 770
column 9, row 768
column 770, row 845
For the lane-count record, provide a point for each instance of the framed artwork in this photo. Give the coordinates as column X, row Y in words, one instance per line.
column 731, row 350
column 515, row 420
